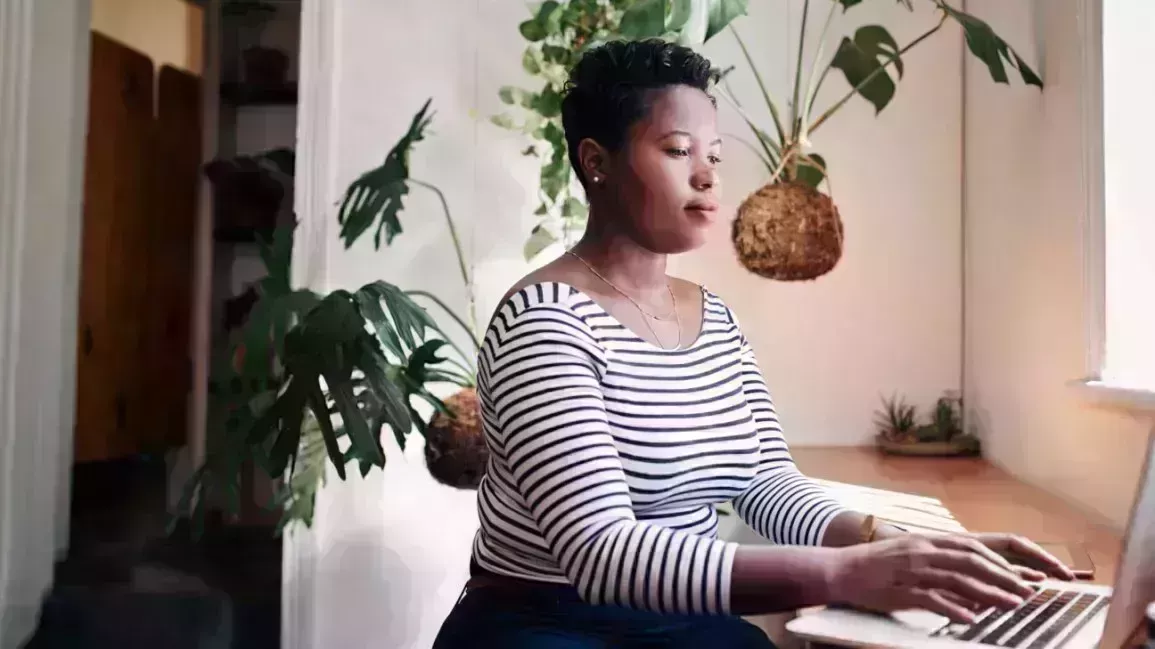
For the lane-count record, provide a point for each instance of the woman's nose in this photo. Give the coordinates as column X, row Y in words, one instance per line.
column 704, row 180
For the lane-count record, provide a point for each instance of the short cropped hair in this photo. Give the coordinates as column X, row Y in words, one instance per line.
column 611, row 88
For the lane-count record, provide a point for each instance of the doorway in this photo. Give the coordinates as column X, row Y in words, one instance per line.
column 176, row 88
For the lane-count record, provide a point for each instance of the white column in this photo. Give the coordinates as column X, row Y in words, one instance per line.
column 43, row 114
column 314, row 195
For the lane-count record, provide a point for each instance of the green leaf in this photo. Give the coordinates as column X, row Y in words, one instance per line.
column 573, row 209
column 689, row 20
column 531, row 61
column 539, row 240
column 811, row 169
column 395, row 412
column 859, row 65
column 722, row 13
column 680, row 12
column 290, row 436
column 992, row 50
column 316, row 401
column 504, row 121
column 548, row 102
column 370, row 305
column 556, row 54
column 644, row 19
column 355, row 423
column 532, row 31
column 875, row 41
column 377, row 194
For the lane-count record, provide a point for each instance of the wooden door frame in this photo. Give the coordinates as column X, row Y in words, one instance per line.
column 41, row 130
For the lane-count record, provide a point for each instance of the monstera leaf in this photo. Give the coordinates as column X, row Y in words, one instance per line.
column 378, row 194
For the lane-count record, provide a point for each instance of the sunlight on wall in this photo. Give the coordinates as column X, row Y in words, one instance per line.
column 168, row 31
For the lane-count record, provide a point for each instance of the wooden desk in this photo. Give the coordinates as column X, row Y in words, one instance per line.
column 951, row 494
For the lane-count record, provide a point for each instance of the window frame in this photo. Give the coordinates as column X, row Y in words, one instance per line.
column 1092, row 386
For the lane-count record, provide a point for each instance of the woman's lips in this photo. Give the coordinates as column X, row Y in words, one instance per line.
column 704, row 209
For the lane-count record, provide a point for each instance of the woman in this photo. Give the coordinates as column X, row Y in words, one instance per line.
column 622, row 404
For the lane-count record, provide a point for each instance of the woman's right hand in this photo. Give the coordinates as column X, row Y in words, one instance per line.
column 945, row 574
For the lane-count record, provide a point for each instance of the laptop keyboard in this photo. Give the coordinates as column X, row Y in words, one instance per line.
column 1049, row 615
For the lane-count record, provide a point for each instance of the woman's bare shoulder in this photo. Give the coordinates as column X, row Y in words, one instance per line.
column 559, row 270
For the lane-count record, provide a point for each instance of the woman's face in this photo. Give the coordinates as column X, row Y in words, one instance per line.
column 663, row 182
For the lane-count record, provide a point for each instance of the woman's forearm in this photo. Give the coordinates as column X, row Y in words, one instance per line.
column 772, row 579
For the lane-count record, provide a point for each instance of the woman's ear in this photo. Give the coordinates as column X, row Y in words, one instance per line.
column 593, row 158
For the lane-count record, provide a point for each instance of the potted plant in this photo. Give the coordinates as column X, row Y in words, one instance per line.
column 899, row 431
column 307, row 357
column 558, row 33
column 788, row 230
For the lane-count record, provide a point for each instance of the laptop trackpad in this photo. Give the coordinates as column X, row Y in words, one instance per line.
column 920, row 620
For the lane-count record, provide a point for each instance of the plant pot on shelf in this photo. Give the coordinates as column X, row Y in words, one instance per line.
column 455, row 450
column 265, row 66
column 788, row 231
column 244, row 198
column 962, row 446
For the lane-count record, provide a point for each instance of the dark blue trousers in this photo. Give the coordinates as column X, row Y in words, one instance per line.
column 554, row 617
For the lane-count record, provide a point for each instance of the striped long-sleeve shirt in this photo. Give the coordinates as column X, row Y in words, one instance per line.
column 608, row 455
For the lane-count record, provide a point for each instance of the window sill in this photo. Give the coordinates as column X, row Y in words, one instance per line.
column 1105, row 394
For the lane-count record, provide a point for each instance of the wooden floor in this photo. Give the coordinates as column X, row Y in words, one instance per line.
column 982, row 497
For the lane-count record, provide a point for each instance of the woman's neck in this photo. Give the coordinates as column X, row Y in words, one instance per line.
column 619, row 259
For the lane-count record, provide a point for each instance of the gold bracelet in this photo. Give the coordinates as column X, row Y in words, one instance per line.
column 869, row 529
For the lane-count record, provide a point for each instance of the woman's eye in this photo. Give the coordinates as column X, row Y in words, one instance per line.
column 715, row 160
column 678, row 152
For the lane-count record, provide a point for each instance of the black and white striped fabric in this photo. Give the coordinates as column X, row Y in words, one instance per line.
column 608, row 454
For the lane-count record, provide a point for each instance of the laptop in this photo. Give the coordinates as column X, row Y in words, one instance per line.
column 1060, row 615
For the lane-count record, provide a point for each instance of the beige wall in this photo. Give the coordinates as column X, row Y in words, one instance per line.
column 1026, row 311
column 168, row 31
column 887, row 318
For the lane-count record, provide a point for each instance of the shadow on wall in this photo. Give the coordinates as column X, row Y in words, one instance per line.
column 376, row 586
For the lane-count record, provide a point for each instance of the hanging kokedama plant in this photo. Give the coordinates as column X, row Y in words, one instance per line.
column 789, row 230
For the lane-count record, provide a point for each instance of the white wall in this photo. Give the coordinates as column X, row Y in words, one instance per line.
column 389, row 554
column 43, row 86
column 887, row 318
column 1026, row 312
column 377, row 564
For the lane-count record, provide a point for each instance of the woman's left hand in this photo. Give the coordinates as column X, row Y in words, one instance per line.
column 1030, row 561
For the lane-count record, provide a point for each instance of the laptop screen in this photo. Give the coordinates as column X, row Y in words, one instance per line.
column 1135, row 578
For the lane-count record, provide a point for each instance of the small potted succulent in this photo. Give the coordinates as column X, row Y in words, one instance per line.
column 899, row 431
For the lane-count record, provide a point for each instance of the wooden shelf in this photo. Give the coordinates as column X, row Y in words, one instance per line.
column 241, row 94
column 241, row 235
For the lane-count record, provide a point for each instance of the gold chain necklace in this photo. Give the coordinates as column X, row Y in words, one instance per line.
column 673, row 301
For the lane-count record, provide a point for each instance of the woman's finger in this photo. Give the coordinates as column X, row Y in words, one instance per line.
column 967, row 587
column 962, row 601
column 977, row 567
column 936, row 602
column 1030, row 574
column 1036, row 557
column 971, row 544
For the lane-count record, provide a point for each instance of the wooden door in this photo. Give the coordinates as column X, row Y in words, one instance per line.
column 140, row 190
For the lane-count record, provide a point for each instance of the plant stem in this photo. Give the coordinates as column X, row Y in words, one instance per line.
column 465, row 277
column 830, row 111
column 795, row 113
column 750, row 145
column 761, row 85
column 456, row 318
column 771, row 149
column 812, row 91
